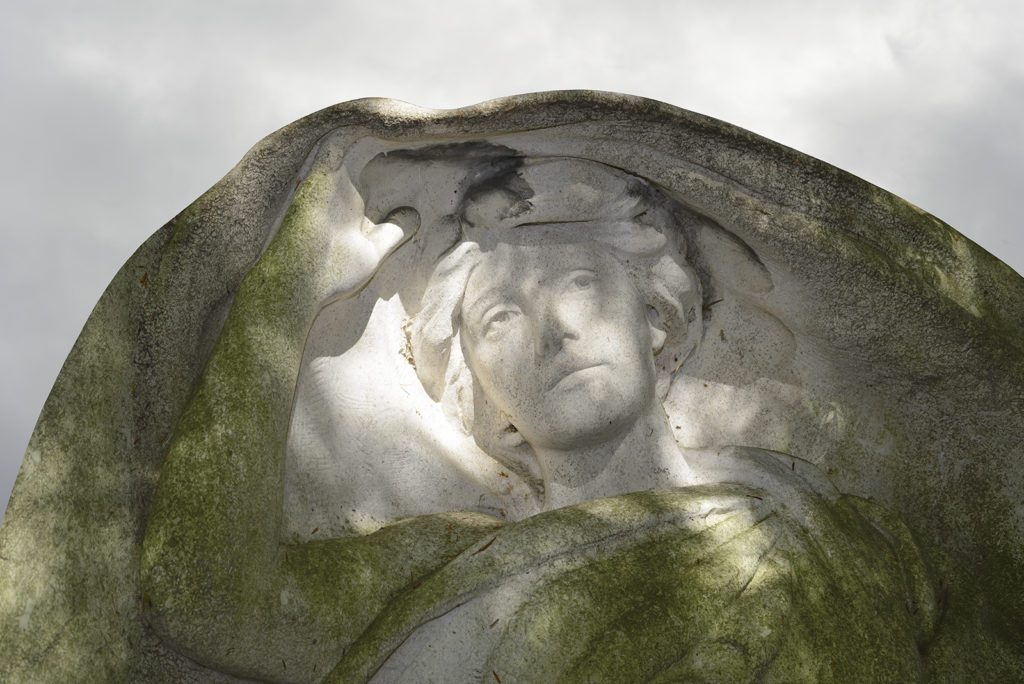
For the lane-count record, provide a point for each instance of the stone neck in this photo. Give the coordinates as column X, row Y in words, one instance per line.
column 645, row 456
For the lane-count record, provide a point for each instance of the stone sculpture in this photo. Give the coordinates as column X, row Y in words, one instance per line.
column 566, row 387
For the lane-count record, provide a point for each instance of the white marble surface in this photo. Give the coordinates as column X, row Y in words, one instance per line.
column 557, row 330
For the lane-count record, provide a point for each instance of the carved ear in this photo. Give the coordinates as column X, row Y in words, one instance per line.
column 658, row 334
column 658, row 337
column 494, row 433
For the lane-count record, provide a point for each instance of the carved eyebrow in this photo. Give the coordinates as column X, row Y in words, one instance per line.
column 479, row 306
column 580, row 269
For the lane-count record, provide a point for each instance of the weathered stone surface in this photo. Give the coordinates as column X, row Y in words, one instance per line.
column 281, row 448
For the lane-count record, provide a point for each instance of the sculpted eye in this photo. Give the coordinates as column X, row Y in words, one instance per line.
column 494, row 321
column 583, row 280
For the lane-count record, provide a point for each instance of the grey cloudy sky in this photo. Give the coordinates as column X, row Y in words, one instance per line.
column 117, row 115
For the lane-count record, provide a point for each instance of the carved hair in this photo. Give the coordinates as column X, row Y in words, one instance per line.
column 570, row 200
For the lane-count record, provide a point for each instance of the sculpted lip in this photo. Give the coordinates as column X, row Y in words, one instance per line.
column 563, row 375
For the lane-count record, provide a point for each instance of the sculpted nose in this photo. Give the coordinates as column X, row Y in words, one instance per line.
column 556, row 325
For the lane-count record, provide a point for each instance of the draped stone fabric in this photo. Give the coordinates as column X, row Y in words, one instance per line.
column 896, row 368
column 723, row 582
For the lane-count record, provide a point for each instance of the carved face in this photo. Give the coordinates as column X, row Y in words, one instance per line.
column 557, row 337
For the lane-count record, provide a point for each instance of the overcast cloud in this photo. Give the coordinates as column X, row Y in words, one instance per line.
column 117, row 115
